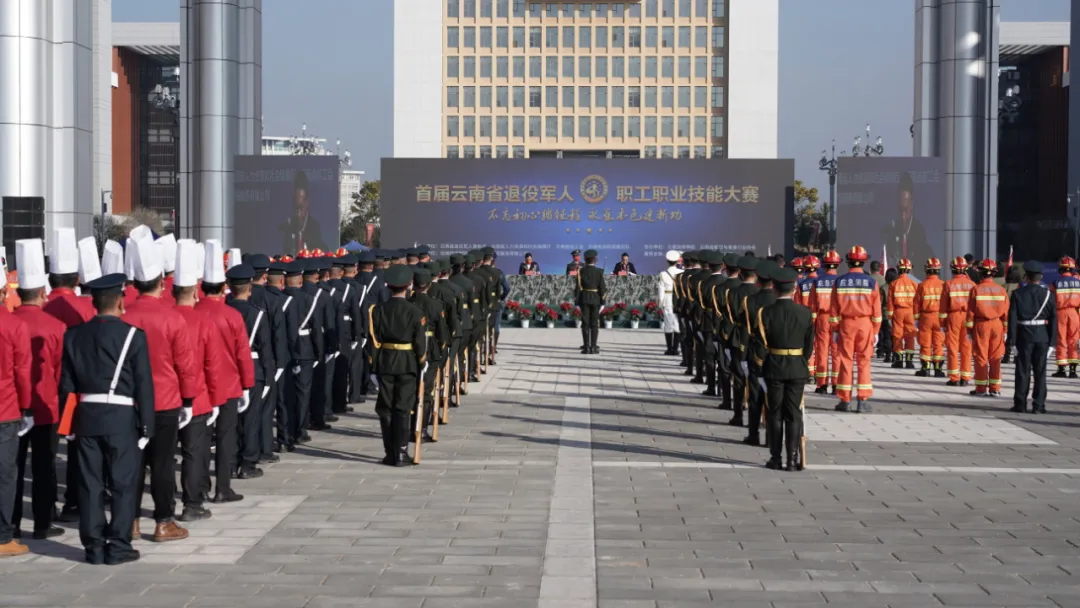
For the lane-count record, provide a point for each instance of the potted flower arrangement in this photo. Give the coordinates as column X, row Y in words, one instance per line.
column 635, row 318
column 620, row 310
column 552, row 317
column 652, row 311
column 512, row 309
column 567, row 309
column 576, row 314
column 541, row 311
column 526, row 316
column 608, row 314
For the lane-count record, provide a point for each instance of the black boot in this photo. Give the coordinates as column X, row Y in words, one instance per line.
column 1072, row 370
column 924, row 371
column 888, row 357
column 910, row 364
column 388, row 438
column 938, row 372
column 594, row 339
column 898, row 361
column 1060, row 373
column 668, row 341
column 585, row 340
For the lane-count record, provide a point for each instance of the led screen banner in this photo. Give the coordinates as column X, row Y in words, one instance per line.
column 895, row 204
column 550, row 207
column 286, row 203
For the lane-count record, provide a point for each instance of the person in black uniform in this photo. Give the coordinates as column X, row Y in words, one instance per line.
column 624, row 265
column 724, row 327
column 710, row 318
column 468, row 294
column 755, row 350
column 693, row 278
column 270, row 300
column 496, row 295
column 275, row 286
column 446, row 292
column 334, row 339
column 575, row 266
column 304, row 327
column 398, row 349
column 736, row 306
column 260, row 341
column 324, row 315
column 1033, row 327
column 682, row 303
column 372, row 291
column 787, row 333
column 350, row 328
column 590, row 292
column 528, row 266
column 479, row 310
column 106, row 366
column 436, row 333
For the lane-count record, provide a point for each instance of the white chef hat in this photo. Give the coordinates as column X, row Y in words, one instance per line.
column 214, row 263
column 235, row 257
column 672, row 256
column 200, row 249
column 63, row 251
column 167, row 247
column 89, row 265
column 112, row 258
column 188, row 264
column 31, row 256
column 129, row 258
column 141, row 232
column 145, row 259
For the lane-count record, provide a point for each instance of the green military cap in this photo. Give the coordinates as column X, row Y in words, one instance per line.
column 784, row 276
column 399, row 275
column 689, row 256
column 470, row 258
column 591, row 253
column 476, row 253
column 488, row 251
column 715, row 258
column 1033, row 267
column 748, row 262
column 422, row 277
column 731, row 260
column 457, row 259
column 766, row 268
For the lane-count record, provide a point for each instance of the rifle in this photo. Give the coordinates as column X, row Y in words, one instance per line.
column 463, row 374
column 802, row 440
column 435, row 390
column 446, row 393
column 482, row 352
column 419, row 420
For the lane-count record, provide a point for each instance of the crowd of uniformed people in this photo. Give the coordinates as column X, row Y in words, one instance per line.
column 163, row 348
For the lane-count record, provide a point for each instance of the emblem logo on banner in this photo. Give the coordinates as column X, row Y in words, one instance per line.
column 594, row 189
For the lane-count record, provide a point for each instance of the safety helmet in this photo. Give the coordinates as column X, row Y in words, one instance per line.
column 933, row 264
column 811, row 263
column 904, row 264
column 285, row 259
column 858, row 254
column 797, row 264
column 831, row 257
column 303, row 254
column 1067, row 262
column 341, row 252
column 988, row 265
column 958, row 264
column 315, row 253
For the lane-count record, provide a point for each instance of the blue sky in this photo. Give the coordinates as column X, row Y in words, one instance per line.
column 843, row 63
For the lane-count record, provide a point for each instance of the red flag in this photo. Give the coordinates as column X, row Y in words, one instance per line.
column 1007, row 267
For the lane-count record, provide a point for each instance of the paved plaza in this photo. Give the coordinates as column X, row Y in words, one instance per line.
column 567, row 481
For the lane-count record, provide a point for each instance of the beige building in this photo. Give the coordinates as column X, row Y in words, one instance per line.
column 650, row 78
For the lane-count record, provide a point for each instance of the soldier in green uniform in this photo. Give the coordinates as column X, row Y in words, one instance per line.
column 436, row 333
column 690, row 259
column 787, row 332
column 756, row 350
column 479, row 306
column 589, row 292
column 495, row 298
column 468, row 294
column 575, row 266
column 447, row 292
column 724, row 327
column 709, row 319
column 678, row 299
column 398, row 357
column 735, row 307
column 693, row 314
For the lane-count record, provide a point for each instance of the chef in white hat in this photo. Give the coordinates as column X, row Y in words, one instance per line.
column 47, row 335
column 112, row 258
column 89, row 264
column 63, row 301
column 235, row 257
column 665, row 292
column 167, row 247
column 175, row 385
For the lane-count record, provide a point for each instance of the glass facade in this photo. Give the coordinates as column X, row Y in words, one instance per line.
column 159, row 143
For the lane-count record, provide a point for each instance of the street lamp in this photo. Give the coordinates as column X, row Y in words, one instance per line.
column 829, row 164
column 304, row 145
column 858, row 149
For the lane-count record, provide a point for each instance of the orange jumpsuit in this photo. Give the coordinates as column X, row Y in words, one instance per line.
column 927, row 313
column 1066, row 291
column 820, row 303
column 856, row 315
column 901, row 311
column 954, row 307
column 988, row 312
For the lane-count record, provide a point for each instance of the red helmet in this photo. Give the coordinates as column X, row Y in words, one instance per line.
column 1067, row 262
column 933, row 264
column 303, row 254
column 315, row 253
column 988, row 265
column 341, row 252
column 831, row 257
column 811, row 262
column 858, row 254
column 904, row 264
column 285, row 259
column 959, row 264
column 797, row 264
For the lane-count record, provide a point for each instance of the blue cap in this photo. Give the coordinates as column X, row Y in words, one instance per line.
column 365, row 257
column 240, row 274
column 312, row 265
column 107, row 284
column 258, row 261
column 294, row 268
column 276, row 268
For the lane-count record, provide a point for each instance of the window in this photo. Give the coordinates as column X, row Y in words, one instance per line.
column 502, row 9
column 485, row 37
column 551, row 39
column 601, row 10
column 584, row 9
column 718, row 126
column 568, row 37
column 468, row 97
column 635, row 10
column 501, row 67
column 534, row 97
column 535, row 10
column 485, row 8
column 634, row 95
column 650, row 67
column 684, row 67
column 684, row 8
column 667, row 97
column 650, row 151
column 618, row 35
column 502, row 126
column 502, row 152
column 618, row 10
column 668, row 67
column 669, row 8
column 468, row 152
column 519, row 67
column 601, row 97
column 718, row 97
column 618, row 95
column 568, row 97
column 600, row 123
column 666, row 152
column 453, row 8
column 650, row 126
column 684, row 97
column 470, row 8
column 502, row 37
column 634, row 40
column 584, row 97
column 717, row 13
column 718, row 37
column 702, row 8
column 718, row 151
column 551, row 95
column 701, row 36
column 718, row 67
column 519, row 151
column 451, row 97
column 684, row 36
column 651, row 34
column 650, row 8
column 485, row 126
column 485, row 67
column 519, row 127
column 536, row 69
column 601, row 37
column 451, row 126
column 568, row 126
column 650, row 97
column 519, row 37
column 519, row 97
column 502, row 97
column 552, row 10
column 701, row 127
column 452, row 37
column 485, row 97
column 568, row 67
column 551, row 67
column 568, row 9
column 667, row 37
column 551, row 127
column 534, row 126
column 618, row 67
column 584, row 37
column 485, row 151
column 584, row 126
column 535, row 36
column 452, row 152
column 584, row 67
column 633, row 126
column 635, row 67
column 701, row 97
column 617, row 126
column 452, row 67
column 468, row 126
column 469, row 67
column 468, row 37
column 684, row 127
column 701, row 67
column 601, row 67
column 699, row 152
column 519, row 8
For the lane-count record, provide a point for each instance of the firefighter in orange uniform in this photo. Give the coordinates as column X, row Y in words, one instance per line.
column 901, row 311
column 1066, row 290
column 810, row 265
column 856, row 319
column 988, row 311
column 954, row 307
column 820, row 302
column 928, row 316
column 799, row 268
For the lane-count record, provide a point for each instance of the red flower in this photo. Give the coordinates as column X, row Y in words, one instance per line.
column 577, row 313
column 512, row 306
column 541, row 307
column 552, row 315
column 635, row 314
column 621, row 306
column 566, row 306
column 525, row 312
column 650, row 307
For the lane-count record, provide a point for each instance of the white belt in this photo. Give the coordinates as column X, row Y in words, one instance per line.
column 1040, row 322
column 305, row 332
column 254, row 355
column 347, row 317
column 106, row 398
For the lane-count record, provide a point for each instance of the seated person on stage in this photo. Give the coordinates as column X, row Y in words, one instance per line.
column 573, row 267
column 624, row 267
column 529, row 267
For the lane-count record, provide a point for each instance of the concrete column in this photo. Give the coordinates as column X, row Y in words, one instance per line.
column 25, row 115
column 926, row 76
column 250, row 77
column 187, row 82
column 72, row 153
column 103, row 50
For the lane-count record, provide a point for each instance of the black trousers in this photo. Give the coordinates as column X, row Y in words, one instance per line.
column 342, row 373
column 1030, row 362
column 590, row 324
column 266, row 419
column 397, row 398
column 358, row 375
column 785, row 418
column 298, row 391
column 249, row 430
column 723, row 367
column 71, row 476
column 756, row 400
column 9, row 473
column 686, row 340
column 475, row 339
column 429, row 392
column 195, row 450
column 699, row 353
column 739, row 382
column 328, row 387
column 160, row 456
column 885, row 337
column 224, row 434
column 320, row 398
column 115, row 458
column 41, row 442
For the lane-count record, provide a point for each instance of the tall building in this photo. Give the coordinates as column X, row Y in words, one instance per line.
column 351, row 182
column 649, row 78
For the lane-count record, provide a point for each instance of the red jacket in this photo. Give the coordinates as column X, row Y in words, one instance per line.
column 206, row 352
column 170, row 350
column 130, row 295
column 237, row 368
column 14, row 367
column 166, row 291
column 69, row 308
column 47, row 349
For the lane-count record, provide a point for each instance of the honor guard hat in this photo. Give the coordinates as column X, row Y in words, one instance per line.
column 784, row 276
column 399, row 276
column 89, row 265
column 63, row 252
column 187, row 264
column 294, row 268
column 346, row 260
column 1030, row 267
column 167, row 245
column 326, row 263
column 108, row 284
column 241, row 274
column 422, row 277
column 112, row 258
column 365, row 257
column 766, row 268
column 715, row 258
column 488, row 251
column 444, row 264
column 380, row 254
column 470, row 258
column 689, row 256
column 412, row 252
column 672, row 256
column 259, row 261
column 575, row 252
column 748, row 262
column 276, row 268
column 591, row 253
column 731, row 260
column 31, row 256
column 457, row 259
column 424, row 250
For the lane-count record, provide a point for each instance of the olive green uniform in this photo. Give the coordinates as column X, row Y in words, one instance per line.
column 786, row 330
column 589, row 292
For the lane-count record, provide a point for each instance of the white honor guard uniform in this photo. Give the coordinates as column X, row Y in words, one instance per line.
column 666, row 293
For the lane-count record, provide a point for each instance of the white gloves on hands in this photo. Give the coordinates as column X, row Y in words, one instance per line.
column 213, row 417
column 296, row 370
column 245, row 401
column 27, row 423
column 266, row 391
column 142, row 442
column 185, row 416
column 277, row 374
column 329, row 357
column 424, row 371
column 353, row 345
column 876, row 338
column 745, row 368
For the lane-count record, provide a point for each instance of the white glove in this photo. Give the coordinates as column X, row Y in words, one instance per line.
column 266, row 391
column 27, row 423
column 185, row 416
column 761, row 383
column 836, row 337
column 876, row 338
column 245, row 401
column 424, row 371
column 353, row 345
column 69, row 437
column 329, row 357
column 727, row 351
column 142, row 442
column 296, row 370
column 316, row 365
column 213, row 417
column 374, row 380
column 745, row 368
column 700, row 337
column 277, row 374
column 363, row 343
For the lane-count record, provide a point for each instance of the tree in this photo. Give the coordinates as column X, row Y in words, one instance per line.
column 811, row 220
column 366, row 203
column 118, row 227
